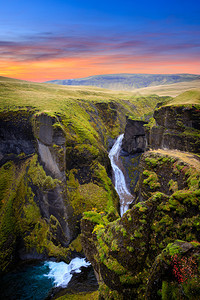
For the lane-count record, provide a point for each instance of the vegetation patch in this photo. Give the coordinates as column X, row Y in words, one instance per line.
column 152, row 179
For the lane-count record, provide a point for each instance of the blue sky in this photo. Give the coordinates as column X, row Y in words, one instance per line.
column 42, row 40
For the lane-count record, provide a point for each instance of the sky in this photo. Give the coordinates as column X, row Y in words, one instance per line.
column 43, row 40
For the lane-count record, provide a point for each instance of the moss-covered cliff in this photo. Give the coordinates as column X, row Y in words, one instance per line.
column 54, row 169
column 152, row 252
column 176, row 125
column 54, row 163
column 124, row 250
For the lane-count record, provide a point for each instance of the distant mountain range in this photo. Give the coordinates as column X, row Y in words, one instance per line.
column 127, row 82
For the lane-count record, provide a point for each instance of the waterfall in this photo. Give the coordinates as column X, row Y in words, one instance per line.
column 119, row 179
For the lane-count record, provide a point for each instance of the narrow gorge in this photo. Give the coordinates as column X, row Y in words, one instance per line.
column 111, row 178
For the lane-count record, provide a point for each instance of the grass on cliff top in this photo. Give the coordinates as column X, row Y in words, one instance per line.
column 15, row 94
column 188, row 158
column 191, row 97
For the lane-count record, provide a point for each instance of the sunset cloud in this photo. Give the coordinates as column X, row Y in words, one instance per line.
column 67, row 42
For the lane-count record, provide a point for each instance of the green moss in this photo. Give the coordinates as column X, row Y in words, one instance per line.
column 152, row 179
column 84, row 148
column 193, row 179
column 8, row 221
column 38, row 177
column 195, row 243
column 151, row 123
column 75, row 245
column 94, row 217
column 80, row 296
column 192, row 288
column 130, row 249
column 7, row 173
column 173, row 248
column 137, row 234
column 114, row 245
column 114, row 265
column 187, row 197
column 170, row 291
column 93, row 196
column 109, row 294
column 106, row 183
column 31, row 213
column 85, row 197
column 173, row 185
column 143, row 221
column 123, row 230
column 151, row 161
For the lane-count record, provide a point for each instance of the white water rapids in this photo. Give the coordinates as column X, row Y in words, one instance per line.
column 61, row 273
column 119, row 179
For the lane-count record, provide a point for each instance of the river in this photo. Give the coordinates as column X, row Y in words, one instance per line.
column 35, row 281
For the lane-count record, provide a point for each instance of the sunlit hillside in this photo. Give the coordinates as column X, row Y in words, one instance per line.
column 169, row 89
column 16, row 94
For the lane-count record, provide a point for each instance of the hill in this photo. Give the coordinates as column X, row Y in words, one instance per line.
column 172, row 90
column 128, row 82
column 16, row 94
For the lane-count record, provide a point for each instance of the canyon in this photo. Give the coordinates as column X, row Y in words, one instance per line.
column 58, row 198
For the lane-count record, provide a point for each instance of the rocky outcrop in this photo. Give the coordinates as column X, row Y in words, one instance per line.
column 134, row 140
column 134, row 144
column 33, row 188
column 175, row 267
column 16, row 134
column 123, row 252
column 175, row 127
column 51, row 144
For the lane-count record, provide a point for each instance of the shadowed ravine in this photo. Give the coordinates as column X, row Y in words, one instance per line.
column 119, row 179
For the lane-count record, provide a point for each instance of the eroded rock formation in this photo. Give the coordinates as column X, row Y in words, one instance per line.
column 175, row 127
column 134, row 137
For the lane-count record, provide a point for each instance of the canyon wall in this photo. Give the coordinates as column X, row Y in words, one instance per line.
column 49, row 176
column 175, row 127
column 135, row 257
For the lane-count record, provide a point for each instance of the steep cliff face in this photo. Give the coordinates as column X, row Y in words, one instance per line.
column 175, row 127
column 51, row 141
column 36, row 220
column 134, row 140
column 16, row 134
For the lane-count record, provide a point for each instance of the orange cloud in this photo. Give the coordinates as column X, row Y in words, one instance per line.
column 44, row 57
column 65, row 68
